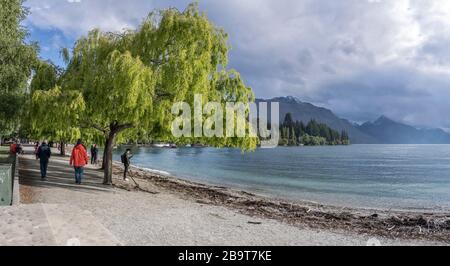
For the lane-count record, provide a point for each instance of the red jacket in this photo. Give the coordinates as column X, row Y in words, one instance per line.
column 79, row 156
column 13, row 148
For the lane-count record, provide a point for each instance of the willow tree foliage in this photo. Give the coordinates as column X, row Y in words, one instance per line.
column 16, row 61
column 46, row 76
column 129, row 81
column 54, row 114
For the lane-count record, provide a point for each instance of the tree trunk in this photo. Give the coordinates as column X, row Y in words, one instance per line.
column 104, row 157
column 108, row 158
column 63, row 148
column 115, row 129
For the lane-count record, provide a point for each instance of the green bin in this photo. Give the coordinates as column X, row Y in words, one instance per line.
column 6, row 185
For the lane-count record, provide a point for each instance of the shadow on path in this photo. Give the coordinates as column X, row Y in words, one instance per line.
column 60, row 174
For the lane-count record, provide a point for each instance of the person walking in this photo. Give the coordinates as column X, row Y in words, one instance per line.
column 79, row 160
column 126, row 160
column 36, row 148
column 13, row 148
column 94, row 154
column 43, row 154
column 19, row 149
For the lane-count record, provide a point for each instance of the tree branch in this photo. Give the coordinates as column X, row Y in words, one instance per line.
column 115, row 127
column 163, row 94
column 88, row 125
column 119, row 128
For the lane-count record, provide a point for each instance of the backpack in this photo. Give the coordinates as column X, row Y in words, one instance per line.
column 123, row 158
column 45, row 151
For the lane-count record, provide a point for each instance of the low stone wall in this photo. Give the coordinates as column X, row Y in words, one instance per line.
column 15, row 184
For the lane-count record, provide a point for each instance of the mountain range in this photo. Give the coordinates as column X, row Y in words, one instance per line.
column 390, row 132
column 381, row 131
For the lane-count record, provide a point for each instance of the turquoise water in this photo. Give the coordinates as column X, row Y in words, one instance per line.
column 379, row 176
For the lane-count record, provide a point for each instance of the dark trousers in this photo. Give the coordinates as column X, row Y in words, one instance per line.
column 79, row 171
column 93, row 159
column 44, row 166
column 125, row 172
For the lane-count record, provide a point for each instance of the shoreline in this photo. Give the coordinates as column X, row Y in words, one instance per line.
column 342, row 205
column 404, row 224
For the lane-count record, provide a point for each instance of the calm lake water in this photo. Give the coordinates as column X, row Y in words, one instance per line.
column 380, row 176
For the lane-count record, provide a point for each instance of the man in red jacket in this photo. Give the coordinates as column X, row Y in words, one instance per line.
column 78, row 160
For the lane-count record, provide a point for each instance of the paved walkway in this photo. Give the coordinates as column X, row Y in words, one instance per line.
column 45, row 223
column 60, row 175
column 51, row 225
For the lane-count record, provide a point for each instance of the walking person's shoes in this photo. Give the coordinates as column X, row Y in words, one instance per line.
column 126, row 180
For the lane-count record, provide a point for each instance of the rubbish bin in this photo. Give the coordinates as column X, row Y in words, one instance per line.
column 6, row 184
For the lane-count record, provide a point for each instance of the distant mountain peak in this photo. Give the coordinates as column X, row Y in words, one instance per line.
column 382, row 120
column 294, row 99
column 290, row 99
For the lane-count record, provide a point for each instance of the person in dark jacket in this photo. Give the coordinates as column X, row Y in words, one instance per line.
column 36, row 148
column 19, row 149
column 94, row 154
column 126, row 160
column 44, row 153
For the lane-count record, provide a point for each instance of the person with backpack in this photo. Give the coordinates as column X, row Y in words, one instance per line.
column 19, row 149
column 79, row 159
column 126, row 160
column 43, row 154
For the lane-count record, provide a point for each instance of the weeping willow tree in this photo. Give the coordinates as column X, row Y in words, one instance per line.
column 129, row 81
column 55, row 113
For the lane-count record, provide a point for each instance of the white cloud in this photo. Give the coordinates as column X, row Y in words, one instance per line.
column 308, row 47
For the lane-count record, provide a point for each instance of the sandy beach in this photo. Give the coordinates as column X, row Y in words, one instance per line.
column 169, row 211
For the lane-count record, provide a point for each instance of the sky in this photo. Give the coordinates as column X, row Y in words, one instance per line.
column 359, row 58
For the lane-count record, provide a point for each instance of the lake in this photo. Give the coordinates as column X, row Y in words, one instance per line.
column 378, row 176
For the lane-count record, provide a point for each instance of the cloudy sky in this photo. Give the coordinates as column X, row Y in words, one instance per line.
column 360, row 58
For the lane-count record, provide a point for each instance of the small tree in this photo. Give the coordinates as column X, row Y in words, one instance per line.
column 288, row 120
column 293, row 138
